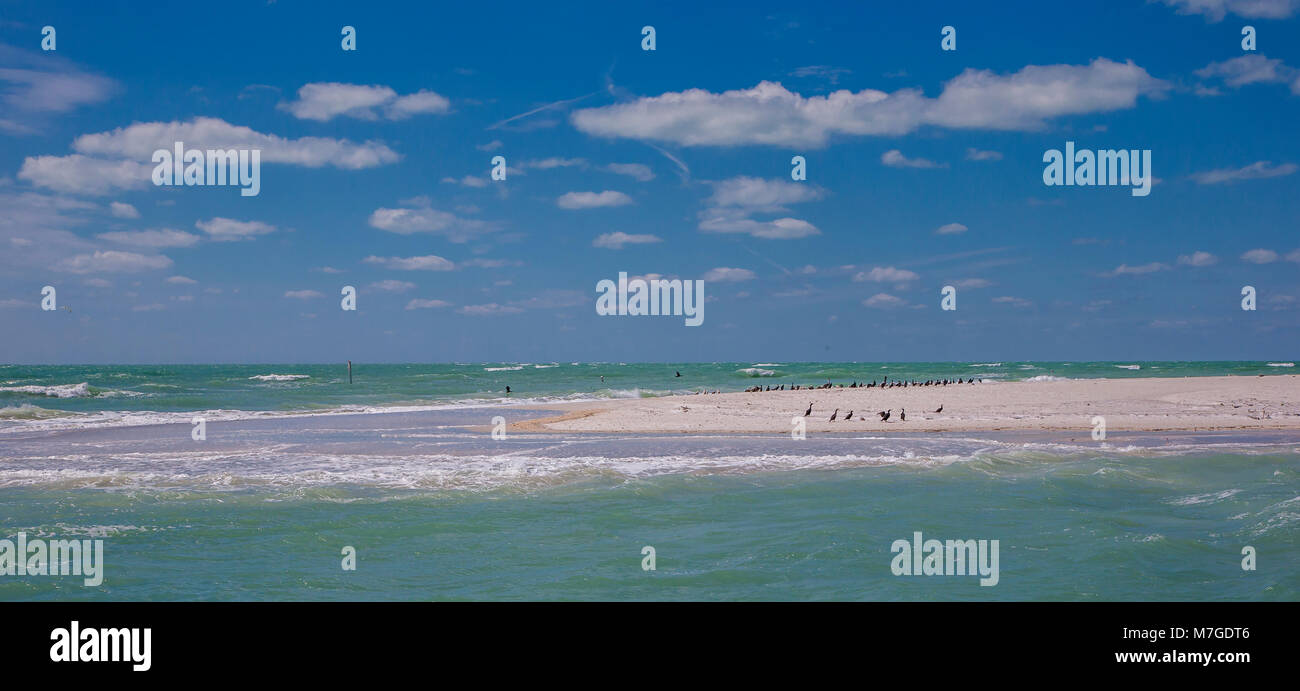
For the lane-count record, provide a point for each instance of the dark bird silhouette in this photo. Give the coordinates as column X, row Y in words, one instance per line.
column 849, row 416
column 837, row 412
column 808, row 412
column 678, row 373
column 507, row 389
column 939, row 409
column 902, row 416
column 884, row 415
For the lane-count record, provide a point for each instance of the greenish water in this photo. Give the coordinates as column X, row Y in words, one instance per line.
column 437, row 509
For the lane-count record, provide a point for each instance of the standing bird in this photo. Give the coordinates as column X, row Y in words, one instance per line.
column 678, row 373
column 939, row 409
column 849, row 416
column 902, row 416
column 837, row 412
column 507, row 389
column 884, row 415
column 808, row 412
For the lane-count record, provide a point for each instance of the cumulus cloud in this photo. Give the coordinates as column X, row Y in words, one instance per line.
column 1013, row 301
column 391, row 286
column 1259, row 256
column 884, row 301
column 735, row 202
column 181, row 280
column 322, row 101
column 886, row 274
column 429, row 262
column 950, row 229
column 972, row 283
column 420, row 217
column 1215, row 10
column 1197, row 259
column 489, row 309
column 113, row 261
column 592, row 200
column 423, row 304
column 303, row 294
column 616, row 241
column 119, row 159
column 769, row 114
column 636, row 171
column 123, row 210
column 1259, row 170
column 1126, row 270
column 895, row 159
column 227, row 229
column 973, row 154
column 1252, row 68
column 723, row 274
column 162, row 237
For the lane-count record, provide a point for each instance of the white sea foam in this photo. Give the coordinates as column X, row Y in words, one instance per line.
column 1047, row 377
column 1281, row 364
column 503, row 369
column 280, row 377
column 1132, row 367
column 756, row 372
column 81, row 390
column 987, row 364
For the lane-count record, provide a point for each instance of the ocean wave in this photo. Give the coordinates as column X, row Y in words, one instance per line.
column 1281, row 364
column 279, row 377
column 82, row 390
column 1047, row 377
column 1132, row 367
column 767, row 364
column 987, row 364
column 28, row 411
column 756, row 372
column 503, row 369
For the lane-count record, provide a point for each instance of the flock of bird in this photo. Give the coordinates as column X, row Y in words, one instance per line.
column 884, row 414
column 884, row 384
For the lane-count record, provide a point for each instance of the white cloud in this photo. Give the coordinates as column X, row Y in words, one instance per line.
column 112, row 261
column 1126, row 270
column 1260, row 256
column 616, row 241
column 1197, row 259
column 323, row 101
column 226, row 229
column 724, row 274
column 637, row 171
column 123, row 210
column 884, row 301
column 163, row 237
column 972, row 283
column 84, row 174
column 429, row 262
column 895, row 159
column 1215, row 10
column 138, row 142
column 973, row 154
column 181, row 280
column 488, row 310
column 420, row 217
column 391, row 286
column 422, row 304
column 41, row 82
column 950, row 229
column 886, row 274
column 592, row 200
column 1258, row 170
column 1013, row 301
column 770, row 114
column 303, row 294
column 553, row 162
column 468, row 181
column 736, row 200
column 1252, row 68
column 1293, row 256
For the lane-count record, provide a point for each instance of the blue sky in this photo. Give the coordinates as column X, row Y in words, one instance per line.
column 376, row 162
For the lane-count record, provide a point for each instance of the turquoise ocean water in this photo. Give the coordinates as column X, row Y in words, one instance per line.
column 297, row 465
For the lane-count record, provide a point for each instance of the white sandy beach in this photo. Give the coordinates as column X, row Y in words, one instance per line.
column 1148, row 404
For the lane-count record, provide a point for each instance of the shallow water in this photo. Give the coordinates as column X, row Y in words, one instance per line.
column 262, row 509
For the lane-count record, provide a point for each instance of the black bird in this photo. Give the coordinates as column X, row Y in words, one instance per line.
column 507, row 389
column 808, row 412
column 902, row 417
column 849, row 416
column 940, row 409
column 678, row 373
column 884, row 414
column 837, row 412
